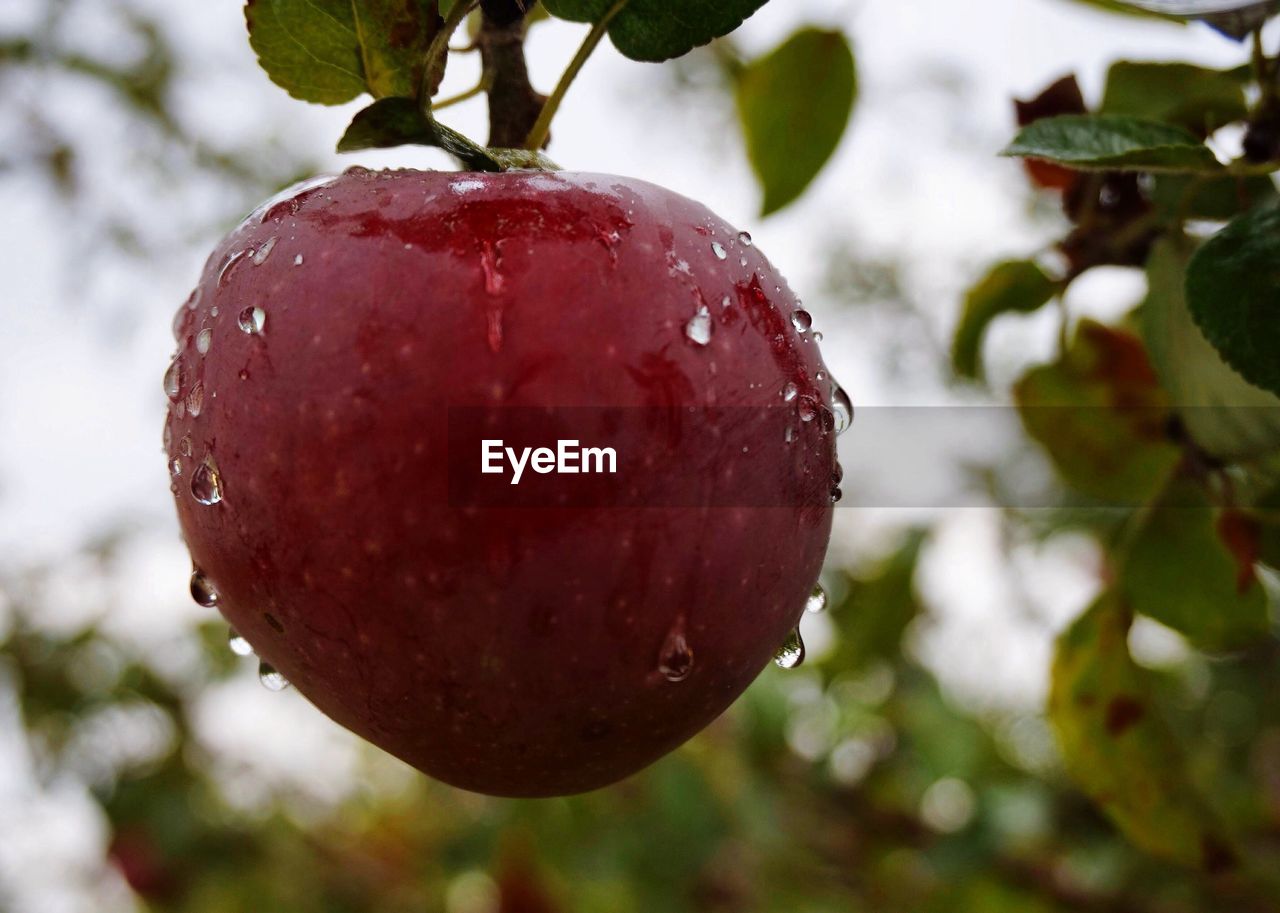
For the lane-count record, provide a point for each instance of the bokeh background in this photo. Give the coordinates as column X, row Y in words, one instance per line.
column 905, row 766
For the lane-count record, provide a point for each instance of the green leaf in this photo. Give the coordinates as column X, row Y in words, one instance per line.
column 876, row 608
column 657, row 30
column 794, row 104
column 1101, row 414
column 1118, row 749
column 401, row 121
column 1233, row 289
column 1200, row 99
column 1224, row 414
column 1017, row 286
column 1181, row 571
column 331, row 51
column 1217, row 199
column 1113, row 143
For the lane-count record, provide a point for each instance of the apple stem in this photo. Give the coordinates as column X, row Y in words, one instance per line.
column 439, row 47
column 537, row 137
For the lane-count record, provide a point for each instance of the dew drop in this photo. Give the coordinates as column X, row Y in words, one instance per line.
column 842, row 406
column 175, row 467
column 699, row 327
column 195, row 399
column 817, row 600
column 791, row 653
column 744, row 238
column 202, row 589
column 204, row 339
column 789, row 392
column 173, row 380
column 297, row 261
column 213, row 311
column 270, row 678
column 239, row 646
column 675, row 659
column 820, row 376
column 718, row 249
column 224, row 274
column 789, row 435
column 252, row 320
column 837, row 474
column 742, row 261
column 808, row 409
column 801, row 320
column 264, row 252
column 817, row 337
column 725, row 302
column 184, row 445
column 836, row 494
column 206, row 482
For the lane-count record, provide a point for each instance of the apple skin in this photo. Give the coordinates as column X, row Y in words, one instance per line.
column 507, row 651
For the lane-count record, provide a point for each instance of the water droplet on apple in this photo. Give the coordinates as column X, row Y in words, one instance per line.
column 817, row 337
column 801, row 320
column 173, row 379
column 789, row 435
column 252, row 320
column 817, row 601
column 297, row 261
column 493, row 278
column 836, row 494
column 744, row 238
column 699, row 327
column 791, row 653
column 204, row 339
column 789, row 392
column 195, row 399
column 202, row 589
column 270, row 678
column 808, row 409
column 224, row 274
column 675, row 659
column 175, row 467
column 820, row 376
column 184, row 445
column 264, row 251
column 718, row 249
column 837, row 474
column 206, row 482
column 241, row 647
column 842, row 406
column 726, row 301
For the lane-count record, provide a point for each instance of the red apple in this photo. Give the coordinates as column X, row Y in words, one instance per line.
column 537, row 647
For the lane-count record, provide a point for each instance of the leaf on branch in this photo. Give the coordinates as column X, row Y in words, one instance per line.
column 1233, row 289
column 1191, row 568
column 1199, row 99
column 657, row 30
column 331, row 51
column 400, row 121
column 794, row 104
column 1100, row 413
column 1017, row 286
column 1224, row 414
column 1119, row 750
column 1113, row 143
column 876, row 609
column 1179, row 197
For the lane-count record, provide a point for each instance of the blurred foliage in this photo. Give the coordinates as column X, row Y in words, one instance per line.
column 855, row 783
